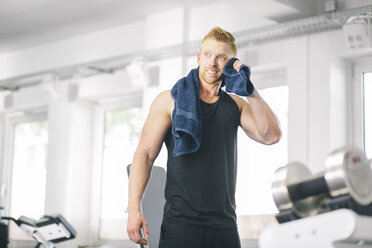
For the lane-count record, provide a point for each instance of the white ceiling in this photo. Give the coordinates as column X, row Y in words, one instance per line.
column 32, row 22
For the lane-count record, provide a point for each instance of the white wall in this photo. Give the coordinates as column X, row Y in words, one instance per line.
column 68, row 164
column 327, row 96
column 315, row 70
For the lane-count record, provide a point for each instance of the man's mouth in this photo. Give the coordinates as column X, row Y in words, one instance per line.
column 212, row 71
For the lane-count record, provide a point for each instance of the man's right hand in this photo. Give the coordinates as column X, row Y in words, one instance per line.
column 136, row 221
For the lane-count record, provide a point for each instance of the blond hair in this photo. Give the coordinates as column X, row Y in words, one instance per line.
column 219, row 34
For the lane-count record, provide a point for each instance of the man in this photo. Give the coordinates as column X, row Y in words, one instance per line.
column 200, row 188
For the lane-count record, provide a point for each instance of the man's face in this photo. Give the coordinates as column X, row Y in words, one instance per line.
column 212, row 58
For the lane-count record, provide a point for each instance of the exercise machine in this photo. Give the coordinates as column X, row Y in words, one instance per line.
column 47, row 231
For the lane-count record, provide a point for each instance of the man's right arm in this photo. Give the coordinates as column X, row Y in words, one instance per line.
column 153, row 133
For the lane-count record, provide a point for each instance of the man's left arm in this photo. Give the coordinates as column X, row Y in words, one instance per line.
column 258, row 120
column 256, row 117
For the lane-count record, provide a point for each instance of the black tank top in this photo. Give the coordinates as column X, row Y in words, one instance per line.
column 200, row 187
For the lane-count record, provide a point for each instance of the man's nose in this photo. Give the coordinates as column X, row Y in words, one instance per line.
column 213, row 61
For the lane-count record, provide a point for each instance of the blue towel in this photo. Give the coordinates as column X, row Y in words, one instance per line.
column 186, row 116
column 237, row 82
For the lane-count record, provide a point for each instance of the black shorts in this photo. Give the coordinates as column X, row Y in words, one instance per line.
column 183, row 236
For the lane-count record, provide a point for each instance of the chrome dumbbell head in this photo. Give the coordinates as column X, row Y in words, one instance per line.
column 348, row 171
column 284, row 178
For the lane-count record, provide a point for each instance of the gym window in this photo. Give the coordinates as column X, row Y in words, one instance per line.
column 122, row 130
column 256, row 164
column 367, row 113
column 25, row 166
column 361, row 105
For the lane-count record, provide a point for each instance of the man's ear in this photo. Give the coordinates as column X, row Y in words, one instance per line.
column 198, row 59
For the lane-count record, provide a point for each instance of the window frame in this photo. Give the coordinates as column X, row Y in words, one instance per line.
column 135, row 99
column 10, row 120
column 356, row 96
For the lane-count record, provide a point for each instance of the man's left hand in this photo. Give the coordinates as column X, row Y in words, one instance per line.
column 237, row 64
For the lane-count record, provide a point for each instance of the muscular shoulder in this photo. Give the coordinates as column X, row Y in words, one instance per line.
column 163, row 102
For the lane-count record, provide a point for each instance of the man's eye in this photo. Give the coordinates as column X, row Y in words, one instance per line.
column 222, row 58
column 207, row 55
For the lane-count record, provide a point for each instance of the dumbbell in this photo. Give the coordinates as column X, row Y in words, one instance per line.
column 347, row 171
